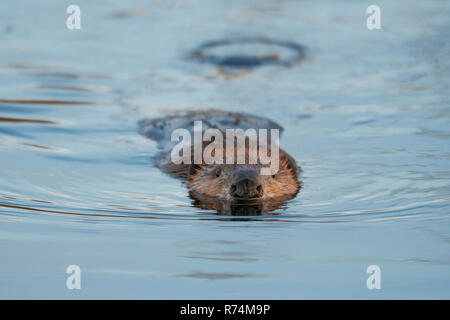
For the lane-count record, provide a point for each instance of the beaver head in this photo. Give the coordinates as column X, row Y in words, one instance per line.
column 245, row 181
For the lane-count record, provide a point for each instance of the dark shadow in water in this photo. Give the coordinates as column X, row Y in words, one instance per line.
column 245, row 61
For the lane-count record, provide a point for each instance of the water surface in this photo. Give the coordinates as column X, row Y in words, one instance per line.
column 365, row 113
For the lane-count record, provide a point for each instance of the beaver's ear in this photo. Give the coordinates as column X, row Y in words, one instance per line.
column 291, row 163
column 193, row 169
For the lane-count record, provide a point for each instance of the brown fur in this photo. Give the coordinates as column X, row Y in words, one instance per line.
column 214, row 180
column 211, row 186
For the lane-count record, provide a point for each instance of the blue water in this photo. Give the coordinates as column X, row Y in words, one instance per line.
column 365, row 113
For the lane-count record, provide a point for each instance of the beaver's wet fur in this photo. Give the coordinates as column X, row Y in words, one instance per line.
column 227, row 188
column 244, row 181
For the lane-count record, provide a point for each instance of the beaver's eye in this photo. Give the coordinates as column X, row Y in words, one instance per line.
column 273, row 176
column 218, row 171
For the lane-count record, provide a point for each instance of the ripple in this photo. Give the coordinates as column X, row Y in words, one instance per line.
column 36, row 101
column 68, row 75
column 415, row 210
column 47, row 148
column 5, row 119
column 73, row 88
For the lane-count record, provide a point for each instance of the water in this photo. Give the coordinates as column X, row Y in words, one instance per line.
column 366, row 115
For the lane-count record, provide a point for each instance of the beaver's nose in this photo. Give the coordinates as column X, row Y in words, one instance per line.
column 246, row 189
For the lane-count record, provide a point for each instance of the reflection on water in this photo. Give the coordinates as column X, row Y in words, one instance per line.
column 236, row 207
column 365, row 114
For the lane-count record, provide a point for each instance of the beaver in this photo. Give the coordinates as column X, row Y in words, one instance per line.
column 226, row 188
